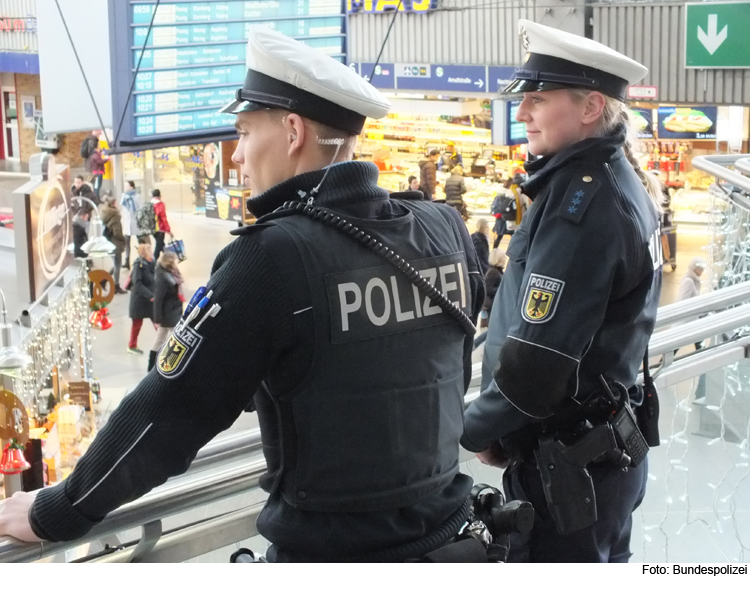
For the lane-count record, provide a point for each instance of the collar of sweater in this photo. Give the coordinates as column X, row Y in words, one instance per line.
column 593, row 149
column 346, row 182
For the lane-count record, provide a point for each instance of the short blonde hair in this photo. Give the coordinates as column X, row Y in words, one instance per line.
column 143, row 249
column 458, row 169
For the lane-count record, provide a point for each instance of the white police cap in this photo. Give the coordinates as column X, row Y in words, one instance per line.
column 557, row 59
column 286, row 74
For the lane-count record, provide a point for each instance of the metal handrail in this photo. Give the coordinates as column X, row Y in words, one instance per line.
column 192, row 540
column 703, row 304
column 698, row 330
column 667, row 341
column 743, row 164
column 227, row 447
column 716, row 166
column 203, row 487
column 176, row 496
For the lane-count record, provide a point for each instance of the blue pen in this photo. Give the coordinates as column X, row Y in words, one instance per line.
column 195, row 299
column 197, row 310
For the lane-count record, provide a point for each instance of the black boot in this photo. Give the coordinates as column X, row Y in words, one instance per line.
column 151, row 359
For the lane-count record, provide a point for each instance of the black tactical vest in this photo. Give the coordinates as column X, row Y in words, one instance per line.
column 376, row 422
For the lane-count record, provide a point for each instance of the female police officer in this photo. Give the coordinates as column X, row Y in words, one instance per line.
column 358, row 378
column 579, row 296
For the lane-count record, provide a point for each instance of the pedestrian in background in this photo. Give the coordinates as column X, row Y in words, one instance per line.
column 428, row 175
column 505, row 200
column 129, row 204
column 455, row 187
column 492, row 278
column 450, row 159
column 690, row 287
column 162, row 225
column 413, row 183
column 112, row 221
column 80, row 232
column 168, row 299
column 96, row 162
column 141, row 294
column 81, row 188
column 482, row 245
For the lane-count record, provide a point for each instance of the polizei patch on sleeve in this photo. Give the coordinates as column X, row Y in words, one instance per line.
column 177, row 352
column 542, row 298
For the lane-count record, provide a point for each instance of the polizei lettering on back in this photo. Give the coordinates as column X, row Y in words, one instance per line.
column 378, row 301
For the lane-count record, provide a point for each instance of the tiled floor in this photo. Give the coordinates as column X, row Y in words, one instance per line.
column 658, row 532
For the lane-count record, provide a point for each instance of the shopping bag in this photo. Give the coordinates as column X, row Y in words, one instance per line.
column 178, row 248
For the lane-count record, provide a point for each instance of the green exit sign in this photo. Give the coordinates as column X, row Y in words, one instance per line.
column 717, row 35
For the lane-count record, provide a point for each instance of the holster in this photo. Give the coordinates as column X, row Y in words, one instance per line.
column 567, row 484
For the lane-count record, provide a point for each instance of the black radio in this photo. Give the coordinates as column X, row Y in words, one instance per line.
column 628, row 434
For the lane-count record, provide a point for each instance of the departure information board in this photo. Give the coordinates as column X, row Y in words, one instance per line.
column 193, row 60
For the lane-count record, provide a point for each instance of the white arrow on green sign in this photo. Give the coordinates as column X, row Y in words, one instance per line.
column 716, row 35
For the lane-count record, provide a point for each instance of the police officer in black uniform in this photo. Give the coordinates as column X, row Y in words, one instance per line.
column 579, row 296
column 357, row 376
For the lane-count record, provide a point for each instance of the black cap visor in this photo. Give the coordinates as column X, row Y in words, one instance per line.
column 263, row 92
column 545, row 72
column 518, row 86
column 239, row 105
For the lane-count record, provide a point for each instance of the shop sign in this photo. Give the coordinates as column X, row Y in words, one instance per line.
column 441, row 77
column 716, row 35
column 436, row 77
column 498, row 77
column 381, row 6
column 384, row 75
column 687, row 123
column 80, row 394
column 15, row 25
column 644, row 119
column 51, row 230
column 642, row 92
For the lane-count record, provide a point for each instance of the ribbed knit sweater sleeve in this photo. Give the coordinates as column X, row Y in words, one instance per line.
column 158, row 429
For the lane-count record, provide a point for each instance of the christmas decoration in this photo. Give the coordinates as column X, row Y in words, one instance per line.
column 101, row 297
column 13, row 461
column 61, row 338
column 100, row 318
column 15, row 421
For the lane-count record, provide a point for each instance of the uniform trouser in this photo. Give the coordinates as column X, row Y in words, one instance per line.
column 618, row 494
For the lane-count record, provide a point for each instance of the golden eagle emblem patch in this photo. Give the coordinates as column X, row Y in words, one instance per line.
column 541, row 299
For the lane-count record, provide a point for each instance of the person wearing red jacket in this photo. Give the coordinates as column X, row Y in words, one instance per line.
column 96, row 163
column 162, row 225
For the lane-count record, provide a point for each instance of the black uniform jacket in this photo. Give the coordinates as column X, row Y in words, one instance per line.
column 579, row 294
column 208, row 376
